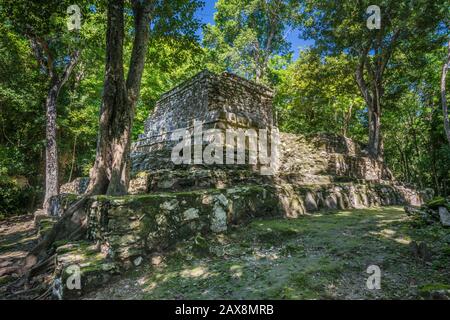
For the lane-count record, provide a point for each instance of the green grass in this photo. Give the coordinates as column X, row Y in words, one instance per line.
column 322, row 256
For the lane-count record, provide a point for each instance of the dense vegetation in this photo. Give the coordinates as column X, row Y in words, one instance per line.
column 316, row 92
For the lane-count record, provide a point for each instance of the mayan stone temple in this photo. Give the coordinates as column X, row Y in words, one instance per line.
column 314, row 173
column 223, row 102
column 169, row 202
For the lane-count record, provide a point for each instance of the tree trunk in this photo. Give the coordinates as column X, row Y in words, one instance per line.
column 347, row 118
column 114, row 99
column 375, row 147
column 444, row 94
column 51, row 150
column 73, row 158
column 110, row 173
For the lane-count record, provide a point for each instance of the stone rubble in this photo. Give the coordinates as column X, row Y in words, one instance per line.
column 444, row 215
column 435, row 210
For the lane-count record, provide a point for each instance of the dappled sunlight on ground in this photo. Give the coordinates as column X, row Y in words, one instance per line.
column 316, row 256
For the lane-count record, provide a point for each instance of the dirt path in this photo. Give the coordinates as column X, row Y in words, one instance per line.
column 319, row 256
column 17, row 237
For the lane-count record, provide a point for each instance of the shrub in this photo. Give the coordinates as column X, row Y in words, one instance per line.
column 16, row 196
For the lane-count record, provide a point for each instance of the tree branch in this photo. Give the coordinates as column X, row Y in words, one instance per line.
column 386, row 54
column 39, row 52
column 359, row 74
column 141, row 11
column 69, row 68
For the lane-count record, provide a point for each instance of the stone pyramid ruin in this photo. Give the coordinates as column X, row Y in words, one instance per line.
column 169, row 203
column 328, row 171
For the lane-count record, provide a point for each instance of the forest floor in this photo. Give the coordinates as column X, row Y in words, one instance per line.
column 18, row 235
column 319, row 256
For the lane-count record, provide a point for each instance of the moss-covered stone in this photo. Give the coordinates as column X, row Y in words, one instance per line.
column 437, row 202
column 84, row 261
column 435, row 291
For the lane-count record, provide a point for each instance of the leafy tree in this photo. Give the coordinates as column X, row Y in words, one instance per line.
column 341, row 27
column 21, row 120
column 248, row 33
column 318, row 94
column 57, row 50
column 415, row 144
column 110, row 173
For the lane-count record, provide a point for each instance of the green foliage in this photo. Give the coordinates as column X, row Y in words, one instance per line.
column 174, row 55
column 21, row 124
column 16, row 196
column 437, row 202
column 247, row 34
column 415, row 146
column 319, row 95
column 341, row 26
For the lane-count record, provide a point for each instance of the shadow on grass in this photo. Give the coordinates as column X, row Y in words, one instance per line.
column 321, row 256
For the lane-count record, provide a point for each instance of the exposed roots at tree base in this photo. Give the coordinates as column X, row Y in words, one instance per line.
column 38, row 267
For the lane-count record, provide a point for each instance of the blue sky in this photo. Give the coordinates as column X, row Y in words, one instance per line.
column 206, row 15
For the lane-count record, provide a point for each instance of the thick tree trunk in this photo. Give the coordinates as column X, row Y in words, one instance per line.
column 110, row 173
column 375, row 147
column 444, row 94
column 114, row 99
column 373, row 102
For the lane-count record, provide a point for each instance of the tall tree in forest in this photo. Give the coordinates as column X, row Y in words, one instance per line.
column 110, row 174
column 57, row 51
column 247, row 34
column 342, row 27
column 152, row 18
column 445, row 68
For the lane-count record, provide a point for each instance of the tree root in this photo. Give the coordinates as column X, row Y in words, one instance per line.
column 22, row 292
column 42, row 266
column 68, row 226
column 46, row 294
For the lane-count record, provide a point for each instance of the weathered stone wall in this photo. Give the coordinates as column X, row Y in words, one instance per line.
column 76, row 186
column 220, row 101
column 133, row 226
column 314, row 160
column 325, row 158
column 122, row 230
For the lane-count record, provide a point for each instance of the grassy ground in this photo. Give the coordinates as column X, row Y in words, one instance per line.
column 322, row 256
